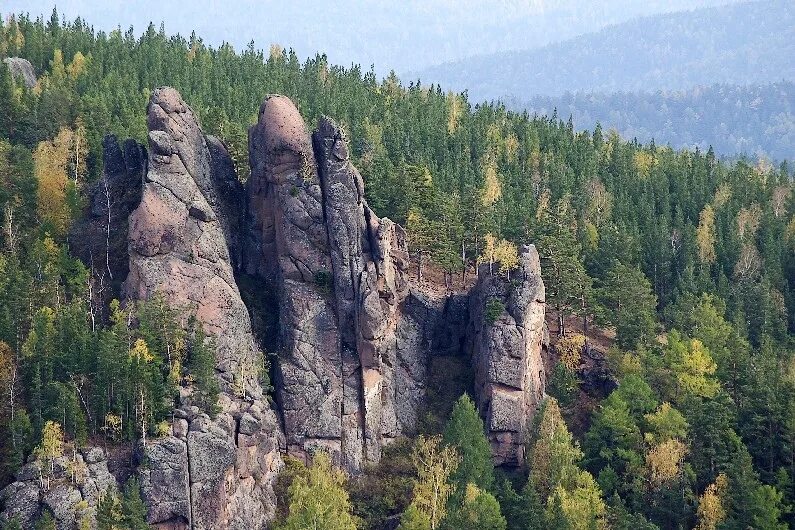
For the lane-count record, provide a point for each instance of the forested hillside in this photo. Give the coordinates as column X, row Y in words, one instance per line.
column 743, row 43
column 756, row 120
column 689, row 260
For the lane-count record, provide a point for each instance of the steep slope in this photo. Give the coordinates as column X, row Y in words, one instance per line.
column 742, row 43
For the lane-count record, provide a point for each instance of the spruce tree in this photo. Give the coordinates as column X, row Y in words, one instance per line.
column 132, row 507
column 465, row 432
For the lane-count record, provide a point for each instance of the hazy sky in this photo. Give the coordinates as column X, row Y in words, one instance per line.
column 403, row 35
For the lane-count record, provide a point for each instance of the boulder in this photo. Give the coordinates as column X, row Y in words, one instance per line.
column 22, row 71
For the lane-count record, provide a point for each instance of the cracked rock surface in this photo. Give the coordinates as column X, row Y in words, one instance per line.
column 363, row 349
column 506, row 355
column 208, row 474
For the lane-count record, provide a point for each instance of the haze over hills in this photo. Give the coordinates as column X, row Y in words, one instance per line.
column 755, row 120
column 403, row 36
column 739, row 44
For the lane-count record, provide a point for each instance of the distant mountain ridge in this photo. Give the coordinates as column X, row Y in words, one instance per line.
column 756, row 120
column 404, row 35
column 739, row 44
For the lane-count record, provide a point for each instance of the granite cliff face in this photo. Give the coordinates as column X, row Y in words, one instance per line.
column 210, row 473
column 362, row 348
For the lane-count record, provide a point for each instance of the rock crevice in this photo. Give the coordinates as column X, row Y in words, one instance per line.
column 364, row 350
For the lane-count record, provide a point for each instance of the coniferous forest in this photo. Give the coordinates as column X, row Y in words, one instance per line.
column 685, row 261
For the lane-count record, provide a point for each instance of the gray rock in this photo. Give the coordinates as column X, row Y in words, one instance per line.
column 183, row 243
column 510, row 381
column 21, row 502
column 61, row 500
column 22, row 71
column 25, row 498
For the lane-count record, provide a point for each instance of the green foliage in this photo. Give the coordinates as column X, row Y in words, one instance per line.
column 601, row 209
column 324, row 281
column 523, row 511
column 12, row 524
column 494, row 308
column 109, row 510
column 133, row 508
column 384, row 490
column 318, row 500
column 564, row 385
column 201, row 367
column 465, row 432
column 627, row 302
column 414, row 519
column 478, row 510
column 46, row 521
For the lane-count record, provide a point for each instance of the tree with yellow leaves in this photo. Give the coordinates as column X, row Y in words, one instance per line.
column 49, row 449
column 664, row 462
column 693, row 366
column 318, row 499
column 705, row 235
column 455, row 107
column 507, row 255
column 56, row 163
column 78, row 65
column 492, row 188
column 434, row 464
column 710, row 505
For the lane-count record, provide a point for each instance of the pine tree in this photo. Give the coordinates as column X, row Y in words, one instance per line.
column 478, row 510
column 133, row 508
column 626, row 301
column 201, row 366
column 109, row 510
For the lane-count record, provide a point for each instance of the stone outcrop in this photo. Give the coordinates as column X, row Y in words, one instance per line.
column 22, row 71
column 353, row 360
column 70, row 494
column 363, row 350
column 506, row 337
column 210, row 473
column 357, row 337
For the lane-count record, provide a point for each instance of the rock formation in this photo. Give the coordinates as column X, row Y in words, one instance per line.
column 71, row 495
column 506, row 354
column 357, row 337
column 22, row 71
column 363, row 349
column 210, row 473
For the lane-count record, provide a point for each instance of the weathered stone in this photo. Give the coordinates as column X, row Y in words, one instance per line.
column 180, row 240
column 21, row 502
column 509, row 373
column 60, row 494
column 61, row 500
column 22, row 71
